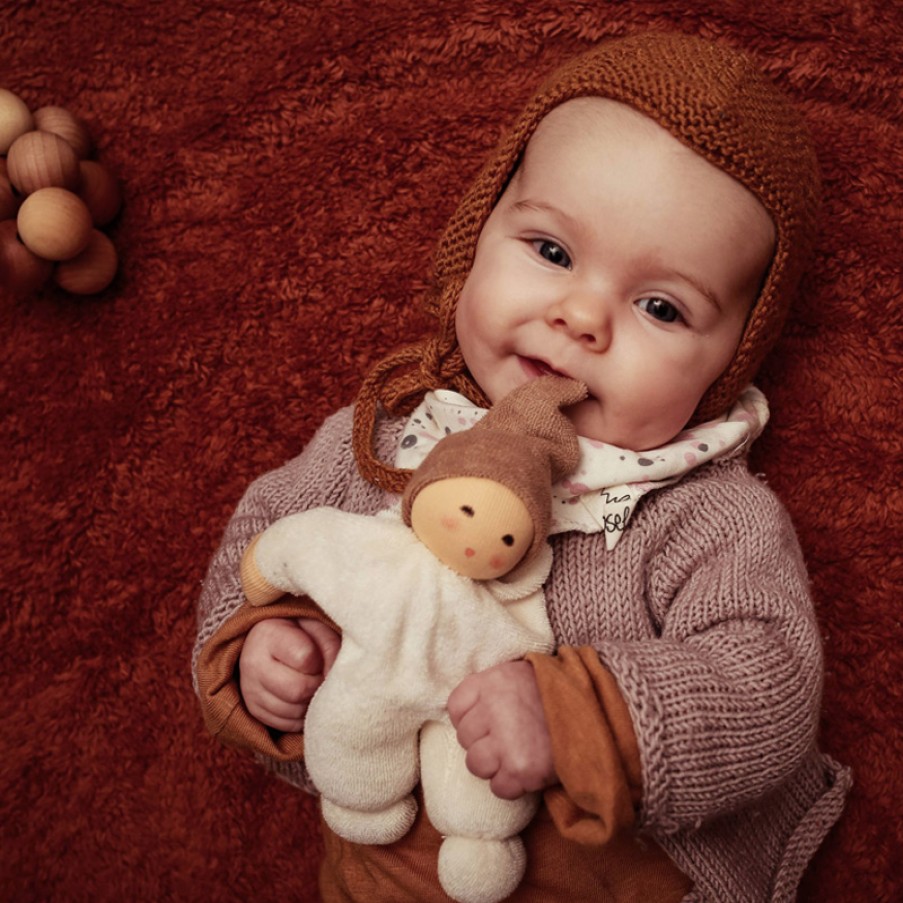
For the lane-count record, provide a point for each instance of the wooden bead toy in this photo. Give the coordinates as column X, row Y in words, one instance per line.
column 15, row 119
column 100, row 191
column 53, row 202
column 54, row 223
column 21, row 271
column 42, row 160
column 92, row 270
column 59, row 121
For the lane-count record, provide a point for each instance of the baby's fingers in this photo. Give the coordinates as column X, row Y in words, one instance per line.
column 291, row 645
column 463, row 698
column 281, row 697
column 279, row 715
column 328, row 642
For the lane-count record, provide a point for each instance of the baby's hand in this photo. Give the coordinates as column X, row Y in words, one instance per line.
column 500, row 722
column 281, row 665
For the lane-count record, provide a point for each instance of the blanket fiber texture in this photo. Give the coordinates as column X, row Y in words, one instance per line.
column 287, row 167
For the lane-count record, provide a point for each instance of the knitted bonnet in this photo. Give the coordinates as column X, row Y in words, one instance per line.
column 710, row 97
column 524, row 442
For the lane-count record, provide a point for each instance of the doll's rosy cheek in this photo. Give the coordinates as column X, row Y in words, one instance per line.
column 449, row 522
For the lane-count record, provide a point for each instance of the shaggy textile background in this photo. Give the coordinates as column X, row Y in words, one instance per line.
column 287, row 168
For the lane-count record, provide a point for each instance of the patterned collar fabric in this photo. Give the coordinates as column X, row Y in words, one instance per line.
column 601, row 495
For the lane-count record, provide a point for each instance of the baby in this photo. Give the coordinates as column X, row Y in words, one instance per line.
column 642, row 229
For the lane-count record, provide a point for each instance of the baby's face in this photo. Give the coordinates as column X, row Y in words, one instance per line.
column 620, row 258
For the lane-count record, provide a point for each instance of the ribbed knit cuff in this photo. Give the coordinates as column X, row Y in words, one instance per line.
column 257, row 589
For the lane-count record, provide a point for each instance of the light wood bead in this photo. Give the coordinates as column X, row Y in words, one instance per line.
column 15, row 119
column 100, row 191
column 92, row 271
column 21, row 271
column 59, row 121
column 54, row 223
column 42, row 160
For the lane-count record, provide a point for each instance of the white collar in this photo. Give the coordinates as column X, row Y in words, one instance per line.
column 602, row 493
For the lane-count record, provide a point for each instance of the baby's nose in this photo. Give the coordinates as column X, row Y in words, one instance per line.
column 585, row 318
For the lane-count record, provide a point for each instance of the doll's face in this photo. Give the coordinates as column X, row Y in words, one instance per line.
column 476, row 526
column 619, row 257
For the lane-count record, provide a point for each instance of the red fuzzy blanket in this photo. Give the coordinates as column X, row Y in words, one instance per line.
column 287, row 166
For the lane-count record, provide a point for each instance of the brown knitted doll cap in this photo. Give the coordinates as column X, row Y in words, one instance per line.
column 525, row 443
column 714, row 100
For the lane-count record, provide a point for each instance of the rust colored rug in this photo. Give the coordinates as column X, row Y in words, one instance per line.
column 287, row 168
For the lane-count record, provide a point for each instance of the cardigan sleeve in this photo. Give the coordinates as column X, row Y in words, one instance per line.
column 323, row 474
column 725, row 700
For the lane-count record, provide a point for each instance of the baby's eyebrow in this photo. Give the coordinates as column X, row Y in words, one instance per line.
column 530, row 206
column 706, row 291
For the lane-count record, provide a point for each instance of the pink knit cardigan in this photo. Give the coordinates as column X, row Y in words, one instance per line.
column 702, row 614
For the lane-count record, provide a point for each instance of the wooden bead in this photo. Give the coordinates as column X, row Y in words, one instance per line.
column 59, row 121
column 21, row 272
column 15, row 119
column 92, row 271
column 9, row 200
column 42, row 160
column 100, row 191
column 54, row 223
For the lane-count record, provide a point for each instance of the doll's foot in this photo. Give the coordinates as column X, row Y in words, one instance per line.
column 385, row 826
column 481, row 871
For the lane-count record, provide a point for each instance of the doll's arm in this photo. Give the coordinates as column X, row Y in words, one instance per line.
column 321, row 474
column 257, row 589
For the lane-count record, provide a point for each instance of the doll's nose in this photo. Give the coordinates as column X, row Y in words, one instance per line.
column 584, row 317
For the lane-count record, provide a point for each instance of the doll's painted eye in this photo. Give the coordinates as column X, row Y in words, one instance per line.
column 466, row 509
column 508, row 539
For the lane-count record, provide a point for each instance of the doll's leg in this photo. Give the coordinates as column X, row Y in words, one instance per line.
column 481, row 860
column 365, row 784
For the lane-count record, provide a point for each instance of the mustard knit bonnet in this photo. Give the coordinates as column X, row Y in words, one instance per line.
column 710, row 97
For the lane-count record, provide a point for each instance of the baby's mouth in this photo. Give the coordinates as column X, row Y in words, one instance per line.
column 536, row 367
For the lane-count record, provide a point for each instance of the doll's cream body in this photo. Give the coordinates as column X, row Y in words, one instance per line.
column 413, row 629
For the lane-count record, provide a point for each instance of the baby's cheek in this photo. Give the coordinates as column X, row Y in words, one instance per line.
column 498, row 562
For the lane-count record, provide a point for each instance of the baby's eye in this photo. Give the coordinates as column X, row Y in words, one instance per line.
column 508, row 539
column 660, row 309
column 552, row 252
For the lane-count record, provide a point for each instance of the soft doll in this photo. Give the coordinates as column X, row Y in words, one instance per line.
column 446, row 584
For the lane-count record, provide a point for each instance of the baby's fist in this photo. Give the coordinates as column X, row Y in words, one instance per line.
column 281, row 666
column 500, row 721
